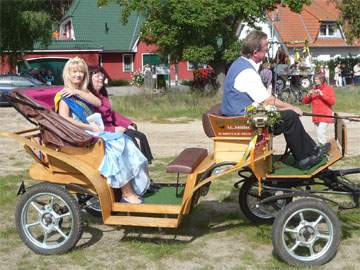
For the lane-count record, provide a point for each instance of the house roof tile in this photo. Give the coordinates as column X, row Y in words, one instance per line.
column 295, row 28
column 70, row 45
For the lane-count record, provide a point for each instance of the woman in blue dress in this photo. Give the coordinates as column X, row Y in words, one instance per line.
column 124, row 166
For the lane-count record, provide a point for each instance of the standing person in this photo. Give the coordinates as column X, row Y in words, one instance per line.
column 243, row 86
column 123, row 165
column 322, row 70
column 343, row 75
column 113, row 121
column 356, row 70
column 266, row 76
column 337, row 76
column 322, row 98
column 327, row 74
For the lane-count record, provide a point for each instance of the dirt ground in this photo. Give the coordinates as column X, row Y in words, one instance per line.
column 212, row 250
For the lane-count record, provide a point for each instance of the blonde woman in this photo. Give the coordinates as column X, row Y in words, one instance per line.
column 123, row 165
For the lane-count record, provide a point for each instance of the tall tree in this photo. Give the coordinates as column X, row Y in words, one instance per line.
column 202, row 31
column 24, row 22
column 350, row 18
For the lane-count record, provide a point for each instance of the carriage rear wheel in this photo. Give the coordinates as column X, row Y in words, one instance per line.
column 249, row 201
column 306, row 233
column 48, row 219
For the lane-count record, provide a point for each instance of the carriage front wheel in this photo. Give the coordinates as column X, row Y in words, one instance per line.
column 249, row 201
column 306, row 233
column 48, row 219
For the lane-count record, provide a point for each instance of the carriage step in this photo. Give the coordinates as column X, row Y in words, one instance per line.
column 187, row 161
column 142, row 221
column 146, row 208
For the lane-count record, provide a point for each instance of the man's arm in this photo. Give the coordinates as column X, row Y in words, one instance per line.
column 281, row 106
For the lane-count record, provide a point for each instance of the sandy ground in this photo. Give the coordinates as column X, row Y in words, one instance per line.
column 166, row 140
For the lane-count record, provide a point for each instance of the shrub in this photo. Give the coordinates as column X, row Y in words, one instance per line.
column 137, row 79
column 118, row 83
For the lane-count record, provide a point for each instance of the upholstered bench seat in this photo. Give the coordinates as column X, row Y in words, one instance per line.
column 187, row 161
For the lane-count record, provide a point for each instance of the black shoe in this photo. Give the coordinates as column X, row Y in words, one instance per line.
column 154, row 185
column 325, row 148
column 315, row 158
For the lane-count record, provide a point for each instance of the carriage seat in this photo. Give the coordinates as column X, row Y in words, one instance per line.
column 187, row 161
column 217, row 125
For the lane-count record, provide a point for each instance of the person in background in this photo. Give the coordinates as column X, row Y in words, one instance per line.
column 266, row 76
column 356, row 70
column 322, row 98
column 343, row 75
column 337, row 76
column 49, row 77
column 327, row 74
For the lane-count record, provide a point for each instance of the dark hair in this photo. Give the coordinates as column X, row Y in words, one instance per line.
column 93, row 70
column 252, row 42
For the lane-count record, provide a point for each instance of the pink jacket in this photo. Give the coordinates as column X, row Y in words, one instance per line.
column 111, row 119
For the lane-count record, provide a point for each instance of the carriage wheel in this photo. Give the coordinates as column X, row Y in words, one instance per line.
column 306, row 233
column 279, row 85
column 249, row 201
column 90, row 203
column 48, row 219
column 305, row 83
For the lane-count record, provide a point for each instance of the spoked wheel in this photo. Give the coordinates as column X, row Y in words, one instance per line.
column 91, row 204
column 306, row 233
column 249, row 201
column 305, row 83
column 48, row 219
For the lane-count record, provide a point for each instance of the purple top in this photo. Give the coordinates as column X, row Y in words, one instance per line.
column 111, row 119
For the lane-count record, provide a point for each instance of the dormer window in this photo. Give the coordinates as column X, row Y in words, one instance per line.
column 329, row 30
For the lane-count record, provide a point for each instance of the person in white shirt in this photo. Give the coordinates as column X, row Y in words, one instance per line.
column 243, row 86
column 356, row 70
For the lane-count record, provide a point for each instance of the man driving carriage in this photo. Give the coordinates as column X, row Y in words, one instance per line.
column 243, row 86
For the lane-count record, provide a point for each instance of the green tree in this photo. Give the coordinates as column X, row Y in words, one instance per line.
column 350, row 18
column 24, row 22
column 202, row 31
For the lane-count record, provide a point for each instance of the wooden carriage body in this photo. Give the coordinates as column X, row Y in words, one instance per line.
column 233, row 139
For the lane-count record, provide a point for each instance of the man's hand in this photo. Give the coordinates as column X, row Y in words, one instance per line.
column 297, row 110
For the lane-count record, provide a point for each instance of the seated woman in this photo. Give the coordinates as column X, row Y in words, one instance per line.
column 113, row 121
column 123, row 165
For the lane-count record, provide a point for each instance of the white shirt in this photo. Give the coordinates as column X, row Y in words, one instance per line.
column 249, row 81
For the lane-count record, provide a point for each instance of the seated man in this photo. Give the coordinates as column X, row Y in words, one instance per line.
column 243, row 86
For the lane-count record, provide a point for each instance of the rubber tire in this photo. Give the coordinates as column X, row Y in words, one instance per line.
column 74, row 207
column 286, row 213
column 244, row 190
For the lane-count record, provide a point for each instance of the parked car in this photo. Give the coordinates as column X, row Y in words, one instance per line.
column 9, row 82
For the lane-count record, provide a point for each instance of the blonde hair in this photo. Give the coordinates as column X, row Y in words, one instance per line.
column 76, row 63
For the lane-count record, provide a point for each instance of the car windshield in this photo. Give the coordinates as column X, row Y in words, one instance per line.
column 35, row 81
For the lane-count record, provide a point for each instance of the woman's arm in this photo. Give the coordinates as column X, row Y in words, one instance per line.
column 87, row 95
column 64, row 111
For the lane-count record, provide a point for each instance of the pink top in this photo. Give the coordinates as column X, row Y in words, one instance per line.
column 111, row 119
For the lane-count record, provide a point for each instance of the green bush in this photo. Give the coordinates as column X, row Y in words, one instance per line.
column 118, row 83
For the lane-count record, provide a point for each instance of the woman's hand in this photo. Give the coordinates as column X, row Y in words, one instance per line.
column 131, row 127
column 120, row 129
column 67, row 92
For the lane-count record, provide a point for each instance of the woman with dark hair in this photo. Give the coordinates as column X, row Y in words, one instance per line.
column 113, row 121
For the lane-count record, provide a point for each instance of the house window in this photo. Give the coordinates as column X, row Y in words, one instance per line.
column 330, row 30
column 151, row 60
column 127, row 63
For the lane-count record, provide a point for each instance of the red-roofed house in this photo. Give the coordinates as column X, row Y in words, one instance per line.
column 317, row 23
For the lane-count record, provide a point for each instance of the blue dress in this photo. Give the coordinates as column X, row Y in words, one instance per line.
column 123, row 161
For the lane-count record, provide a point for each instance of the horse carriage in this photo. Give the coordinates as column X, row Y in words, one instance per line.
column 305, row 231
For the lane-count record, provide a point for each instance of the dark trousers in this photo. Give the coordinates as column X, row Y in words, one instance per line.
column 144, row 144
column 298, row 140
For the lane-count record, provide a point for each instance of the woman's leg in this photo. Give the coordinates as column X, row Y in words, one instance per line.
column 144, row 144
column 129, row 195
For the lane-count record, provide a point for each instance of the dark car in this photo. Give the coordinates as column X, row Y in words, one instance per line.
column 9, row 82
